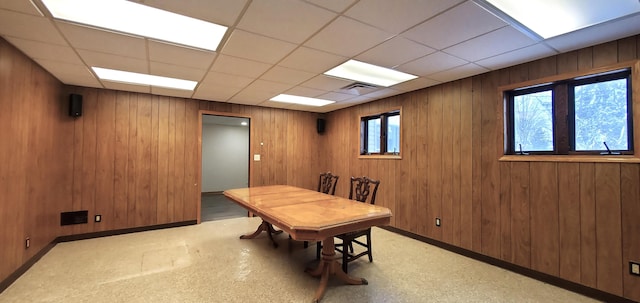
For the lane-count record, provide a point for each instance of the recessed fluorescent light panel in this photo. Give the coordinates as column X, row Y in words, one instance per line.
column 369, row 73
column 137, row 19
column 550, row 18
column 143, row 79
column 301, row 100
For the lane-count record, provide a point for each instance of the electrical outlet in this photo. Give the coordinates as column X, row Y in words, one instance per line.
column 634, row 268
column 437, row 221
column 98, row 218
column 27, row 242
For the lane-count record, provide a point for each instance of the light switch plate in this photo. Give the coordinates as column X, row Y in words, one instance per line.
column 256, row 157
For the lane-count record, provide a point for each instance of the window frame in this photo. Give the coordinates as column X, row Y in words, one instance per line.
column 363, row 134
column 563, row 109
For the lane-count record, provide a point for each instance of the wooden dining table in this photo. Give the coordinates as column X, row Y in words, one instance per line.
column 309, row 215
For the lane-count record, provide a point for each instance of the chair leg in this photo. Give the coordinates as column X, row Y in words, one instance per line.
column 369, row 246
column 345, row 254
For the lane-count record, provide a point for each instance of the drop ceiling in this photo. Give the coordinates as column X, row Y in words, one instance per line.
column 284, row 46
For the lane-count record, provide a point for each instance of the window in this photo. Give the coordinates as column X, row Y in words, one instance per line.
column 587, row 115
column 380, row 134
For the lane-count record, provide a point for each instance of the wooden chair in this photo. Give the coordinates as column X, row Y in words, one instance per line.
column 362, row 190
column 326, row 184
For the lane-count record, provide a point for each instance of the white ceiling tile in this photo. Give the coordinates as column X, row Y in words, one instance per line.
column 178, row 55
column 127, row 87
column 461, row 23
column 70, row 73
column 275, row 104
column 288, row 20
column 29, row 27
column 312, row 60
column 214, row 92
column 347, row 37
column 162, row 91
column 358, row 100
column 335, row 96
column 335, row 106
column 383, row 93
column 494, row 43
column 415, row 84
column 41, row 50
column 176, row 71
column 286, row 75
column 337, row 6
column 26, row 7
column 96, row 59
column 255, row 47
column 432, row 63
column 223, row 12
column 327, row 83
column 238, row 66
column 398, row 15
column 103, row 41
column 528, row 53
column 220, row 79
column 394, row 52
column 268, row 86
column 305, row 92
column 459, row 72
column 251, row 97
column 258, row 63
column 601, row 33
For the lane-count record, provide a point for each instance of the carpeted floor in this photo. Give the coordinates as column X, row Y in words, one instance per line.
column 209, row 263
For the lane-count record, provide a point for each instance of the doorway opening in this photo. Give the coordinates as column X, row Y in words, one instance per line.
column 225, row 164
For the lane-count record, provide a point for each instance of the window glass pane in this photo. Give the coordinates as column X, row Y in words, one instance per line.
column 373, row 136
column 393, row 134
column 533, row 121
column 601, row 115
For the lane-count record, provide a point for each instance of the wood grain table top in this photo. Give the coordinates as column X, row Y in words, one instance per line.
column 306, row 214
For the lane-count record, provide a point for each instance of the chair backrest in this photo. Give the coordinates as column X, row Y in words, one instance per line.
column 327, row 183
column 361, row 189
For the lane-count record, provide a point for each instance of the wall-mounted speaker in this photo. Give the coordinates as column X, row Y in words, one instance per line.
column 320, row 125
column 75, row 105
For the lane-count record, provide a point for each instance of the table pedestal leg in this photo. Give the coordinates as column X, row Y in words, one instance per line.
column 329, row 266
column 264, row 226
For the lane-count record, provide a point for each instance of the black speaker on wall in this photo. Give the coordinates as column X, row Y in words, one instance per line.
column 320, row 125
column 75, row 105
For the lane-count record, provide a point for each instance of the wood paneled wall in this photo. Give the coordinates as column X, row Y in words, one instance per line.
column 132, row 158
column 35, row 157
column 575, row 221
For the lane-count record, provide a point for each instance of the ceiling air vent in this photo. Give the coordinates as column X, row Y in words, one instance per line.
column 359, row 88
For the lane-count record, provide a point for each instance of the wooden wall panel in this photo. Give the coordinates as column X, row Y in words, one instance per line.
column 544, row 218
column 630, row 208
column 476, row 169
column 434, row 163
column 520, row 214
column 456, row 163
column 569, row 221
column 121, row 177
column 587, row 225
column 608, row 228
column 490, row 169
column 467, row 152
column 447, row 163
column 162, row 210
column 105, row 156
column 505, row 211
column 413, row 141
column 36, row 146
